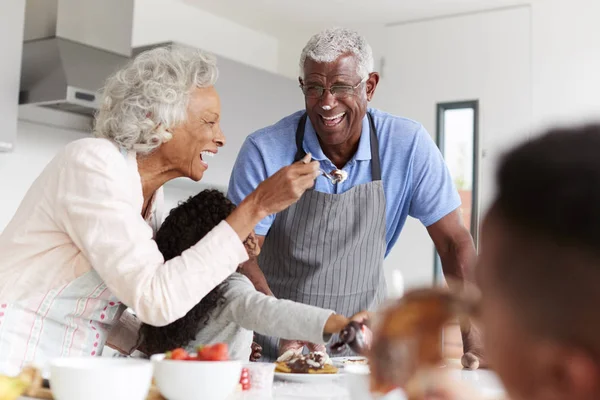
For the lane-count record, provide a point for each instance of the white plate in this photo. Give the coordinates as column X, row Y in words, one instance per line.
column 341, row 362
column 307, row 378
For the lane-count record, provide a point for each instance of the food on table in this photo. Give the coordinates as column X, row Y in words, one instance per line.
column 294, row 353
column 360, row 361
column 28, row 383
column 288, row 355
column 407, row 337
column 215, row 352
column 11, row 388
column 312, row 363
column 355, row 335
column 178, row 354
column 35, row 387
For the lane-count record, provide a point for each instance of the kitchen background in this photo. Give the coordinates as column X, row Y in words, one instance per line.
column 525, row 64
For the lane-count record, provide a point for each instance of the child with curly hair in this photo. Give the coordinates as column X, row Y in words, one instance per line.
column 234, row 309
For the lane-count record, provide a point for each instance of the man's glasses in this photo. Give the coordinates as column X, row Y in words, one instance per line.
column 338, row 91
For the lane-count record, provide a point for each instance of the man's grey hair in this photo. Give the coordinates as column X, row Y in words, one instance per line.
column 326, row 46
column 151, row 94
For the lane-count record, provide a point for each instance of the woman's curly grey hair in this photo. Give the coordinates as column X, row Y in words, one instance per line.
column 326, row 46
column 151, row 94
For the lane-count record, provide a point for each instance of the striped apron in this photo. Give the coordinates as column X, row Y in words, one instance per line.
column 327, row 250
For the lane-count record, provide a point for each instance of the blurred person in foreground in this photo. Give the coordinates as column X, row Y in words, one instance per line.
column 539, row 271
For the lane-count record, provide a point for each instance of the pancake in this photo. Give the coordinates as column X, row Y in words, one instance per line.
column 312, row 363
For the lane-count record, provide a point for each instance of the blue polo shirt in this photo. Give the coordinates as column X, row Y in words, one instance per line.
column 415, row 178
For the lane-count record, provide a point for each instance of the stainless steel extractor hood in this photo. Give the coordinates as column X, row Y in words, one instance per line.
column 65, row 65
column 61, row 74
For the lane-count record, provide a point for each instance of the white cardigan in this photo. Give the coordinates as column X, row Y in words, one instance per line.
column 84, row 213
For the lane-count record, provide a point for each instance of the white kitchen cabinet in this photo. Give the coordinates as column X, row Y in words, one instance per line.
column 12, row 16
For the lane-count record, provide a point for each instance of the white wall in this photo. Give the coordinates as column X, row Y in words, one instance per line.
column 483, row 57
column 12, row 18
column 565, row 61
column 36, row 145
column 158, row 21
column 292, row 42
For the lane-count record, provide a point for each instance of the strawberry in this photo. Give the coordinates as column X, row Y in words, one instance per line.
column 177, row 354
column 216, row 352
column 221, row 351
column 245, row 379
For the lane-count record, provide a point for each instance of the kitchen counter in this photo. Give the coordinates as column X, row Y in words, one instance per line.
column 484, row 381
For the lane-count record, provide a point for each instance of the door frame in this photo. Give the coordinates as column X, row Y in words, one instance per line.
column 440, row 119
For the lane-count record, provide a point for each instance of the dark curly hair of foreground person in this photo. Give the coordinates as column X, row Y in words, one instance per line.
column 184, row 227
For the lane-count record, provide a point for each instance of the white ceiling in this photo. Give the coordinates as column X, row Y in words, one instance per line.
column 279, row 16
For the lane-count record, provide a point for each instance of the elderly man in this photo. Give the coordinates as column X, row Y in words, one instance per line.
column 328, row 249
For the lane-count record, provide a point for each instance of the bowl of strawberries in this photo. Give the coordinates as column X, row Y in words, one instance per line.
column 206, row 374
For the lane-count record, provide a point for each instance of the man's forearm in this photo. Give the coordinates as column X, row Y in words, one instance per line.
column 458, row 261
column 252, row 270
column 458, row 255
column 459, row 266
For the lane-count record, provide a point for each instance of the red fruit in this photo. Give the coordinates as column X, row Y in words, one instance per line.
column 178, row 354
column 216, row 352
column 221, row 351
column 245, row 379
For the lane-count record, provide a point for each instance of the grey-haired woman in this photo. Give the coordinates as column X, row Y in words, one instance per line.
column 80, row 248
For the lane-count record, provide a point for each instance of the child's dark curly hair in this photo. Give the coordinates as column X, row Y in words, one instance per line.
column 184, row 227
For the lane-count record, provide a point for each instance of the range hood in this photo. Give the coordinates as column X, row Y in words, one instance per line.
column 61, row 74
column 71, row 47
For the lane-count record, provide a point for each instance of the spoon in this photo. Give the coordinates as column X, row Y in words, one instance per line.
column 331, row 178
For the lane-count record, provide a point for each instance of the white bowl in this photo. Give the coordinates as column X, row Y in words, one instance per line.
column 358, row 382
column 192, row 380
column 100, row 378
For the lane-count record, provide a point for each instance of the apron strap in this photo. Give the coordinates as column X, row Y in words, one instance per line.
column 375, row 161
column 300, row 139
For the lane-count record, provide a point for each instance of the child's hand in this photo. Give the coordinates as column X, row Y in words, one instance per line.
column 362, row 317
column 251, row 245
column 356, row 335
column 256, row 352
column 335, row 323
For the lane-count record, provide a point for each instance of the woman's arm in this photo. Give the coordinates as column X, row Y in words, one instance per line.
column 94, row 208
column 274, row 194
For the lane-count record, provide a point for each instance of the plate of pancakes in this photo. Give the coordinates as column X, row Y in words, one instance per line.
column 311, row 367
